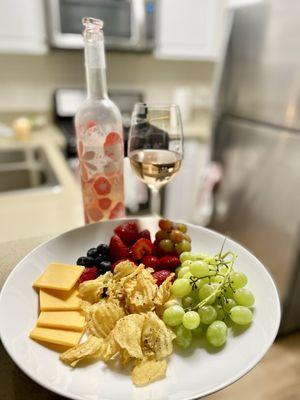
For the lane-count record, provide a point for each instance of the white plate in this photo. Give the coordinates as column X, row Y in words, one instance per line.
column 190, row 375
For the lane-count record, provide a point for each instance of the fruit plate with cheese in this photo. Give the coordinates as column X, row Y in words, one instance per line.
column 202, row 369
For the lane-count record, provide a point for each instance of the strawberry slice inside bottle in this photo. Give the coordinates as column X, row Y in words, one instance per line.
column 102, row 186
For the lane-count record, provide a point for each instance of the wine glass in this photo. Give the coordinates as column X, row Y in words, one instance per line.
column 155, row 146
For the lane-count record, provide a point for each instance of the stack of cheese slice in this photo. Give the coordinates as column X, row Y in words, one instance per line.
column 60, row 321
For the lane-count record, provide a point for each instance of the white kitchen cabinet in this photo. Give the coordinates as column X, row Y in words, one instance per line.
column 22, row 27
column 189, row 29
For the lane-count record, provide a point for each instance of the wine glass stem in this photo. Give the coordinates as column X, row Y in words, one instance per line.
column 155, row 202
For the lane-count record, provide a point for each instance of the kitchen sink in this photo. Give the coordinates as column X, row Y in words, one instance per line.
column 26, row 170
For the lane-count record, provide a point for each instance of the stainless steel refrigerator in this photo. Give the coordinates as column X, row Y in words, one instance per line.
column 256, row 138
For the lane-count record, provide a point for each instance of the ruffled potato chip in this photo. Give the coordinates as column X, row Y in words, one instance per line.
column 127, row 333
column 125, row 322
column 123, row 268
column 140, row 292
column 124, row 356
column 102, row 317
column 87, row 350
column 92, row 290
column 163, row 294
column 156, row 337
column 147, row 371
column 109, row 348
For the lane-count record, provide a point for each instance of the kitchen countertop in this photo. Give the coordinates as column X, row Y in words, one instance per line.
column 25, row 214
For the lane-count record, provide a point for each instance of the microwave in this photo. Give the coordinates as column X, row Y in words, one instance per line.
column 128, row 24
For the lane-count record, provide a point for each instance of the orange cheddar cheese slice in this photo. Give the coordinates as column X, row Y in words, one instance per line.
column 59, row 276
column 56, row 336
column 70, row 320
column 58, row 300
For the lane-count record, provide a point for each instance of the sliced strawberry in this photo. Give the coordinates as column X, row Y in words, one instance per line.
column 104, row 203
column 95, row 214
column 89, row 274
column 117, row 249
column 151, row 262
column 102, row 186
column 91, row 123
column 141, row 248
column 128, row 232
column 117, row 211
column 112, row 138
column 161, row 276
column 169, row 262
column 145, row 234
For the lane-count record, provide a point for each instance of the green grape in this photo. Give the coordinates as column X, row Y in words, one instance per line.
column 183, row 246
column 198, row 331
column 229, row 303
column 187, row 275
column 206, row 290
column 244, row 297
column 228, row 293
column 166, row 245
column 223, row 269
column 241, row 315
column 187, row 302
column 190, row 300
column 185, row 256
column 200, row 256
column 172, row 302
column 200, row 282
column 182, row 271
column 216, row 333
column 238, row 280
column 210, row 260
column 181, row 227
column 183, row 337
column 220, row 312
column 191, row 320
column 181, row 287
column 208, row 314
column 186, row 263
column 199, row 269
column 217, row 279
column 173, row 315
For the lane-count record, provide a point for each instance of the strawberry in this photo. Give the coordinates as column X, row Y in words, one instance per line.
column 104, row 203
column 144, row 234
column 91, row 124
column 169, row 262
column 117, row 211
column 161, row 276
column 102, row 186
column 151, row 262
column 117, row 249
column 89, row 274
column 112, row 138
column 141, row 248
column 128, row 232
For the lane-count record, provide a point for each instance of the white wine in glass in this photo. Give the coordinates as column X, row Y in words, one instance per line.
column 155, row 146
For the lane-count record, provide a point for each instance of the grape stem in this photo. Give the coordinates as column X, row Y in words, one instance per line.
column 219, row 287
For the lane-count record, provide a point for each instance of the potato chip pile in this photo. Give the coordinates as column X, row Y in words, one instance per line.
column 122, row 312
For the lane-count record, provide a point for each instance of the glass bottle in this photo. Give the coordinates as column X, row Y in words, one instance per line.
column 99, row 135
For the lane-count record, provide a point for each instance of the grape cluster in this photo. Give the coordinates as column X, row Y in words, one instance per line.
column 210, row 294
column 172, row 237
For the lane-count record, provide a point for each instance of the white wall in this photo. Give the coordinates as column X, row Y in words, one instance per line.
column 27, row 82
